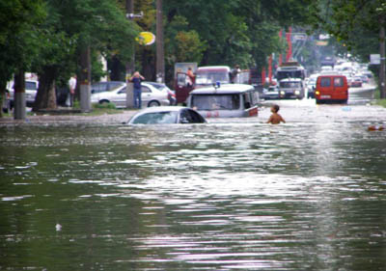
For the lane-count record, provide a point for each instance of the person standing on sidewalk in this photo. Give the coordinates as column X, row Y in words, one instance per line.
column 137, row 79
column 72, row 87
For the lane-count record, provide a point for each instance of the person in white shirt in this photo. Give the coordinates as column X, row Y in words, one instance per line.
column 72, row 87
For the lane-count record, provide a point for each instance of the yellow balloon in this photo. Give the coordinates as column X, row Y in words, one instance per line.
column 145, row 38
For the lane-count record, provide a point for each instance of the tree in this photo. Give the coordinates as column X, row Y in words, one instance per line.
column 17, row 37
column 71, row 27
column 356, row 23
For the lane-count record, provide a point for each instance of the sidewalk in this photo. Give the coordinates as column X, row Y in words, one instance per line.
column 63, row 117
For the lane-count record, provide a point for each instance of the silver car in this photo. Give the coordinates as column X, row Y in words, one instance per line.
column 151, row 96
column 167, row 115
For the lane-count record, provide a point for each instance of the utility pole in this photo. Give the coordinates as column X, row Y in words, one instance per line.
column 85, row 80
column 382, row 53
column 130, row 66
column 19, row 92
column 160, row 73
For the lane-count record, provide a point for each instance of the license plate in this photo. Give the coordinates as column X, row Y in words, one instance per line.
column 325, row 96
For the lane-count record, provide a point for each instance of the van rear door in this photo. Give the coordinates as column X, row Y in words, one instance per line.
column 340, row 88
column 326, row 89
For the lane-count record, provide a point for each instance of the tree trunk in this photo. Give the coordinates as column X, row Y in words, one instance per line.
column 2, row 97
column 85, row 79
column 46, row 96
column 19, row 95
column 160, row 73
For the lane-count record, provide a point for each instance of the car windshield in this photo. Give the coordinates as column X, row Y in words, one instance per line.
column 290, row 84
column 31, row 85
column 204, row 78
column 157, row 118
column 216, row 101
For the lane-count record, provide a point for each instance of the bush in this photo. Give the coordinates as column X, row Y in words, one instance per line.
column 104, row 106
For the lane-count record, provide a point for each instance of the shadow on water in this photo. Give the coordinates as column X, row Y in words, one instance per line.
column 307, row 195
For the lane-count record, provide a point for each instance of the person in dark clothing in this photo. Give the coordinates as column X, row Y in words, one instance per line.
column 137, row 79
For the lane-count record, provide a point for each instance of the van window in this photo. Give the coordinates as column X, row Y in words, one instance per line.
column 216, row 101
column 338, row 82
column 325, row 82
column 205, row 77
column 247, row 100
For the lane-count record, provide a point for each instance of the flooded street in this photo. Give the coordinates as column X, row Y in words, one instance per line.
column 233, row 194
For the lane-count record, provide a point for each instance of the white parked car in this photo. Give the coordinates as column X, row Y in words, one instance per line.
column 31, row 89
column 151, row 96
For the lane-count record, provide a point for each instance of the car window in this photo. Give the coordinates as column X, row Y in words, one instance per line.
column 156, row 118
column 325, row 82
column 216, row 101
column 159, row 86
column 195, row 117
column 99, row 87
column 122, row 90
column 31, row 85
column 145, row 89
column 338, row 82
column 113, row 85
column 185, row 117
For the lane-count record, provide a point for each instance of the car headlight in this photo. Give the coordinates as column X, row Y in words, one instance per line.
column 297, row 92
column 317, row 92
column 282, row 92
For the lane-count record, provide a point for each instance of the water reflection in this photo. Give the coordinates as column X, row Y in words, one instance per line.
column 308, row 195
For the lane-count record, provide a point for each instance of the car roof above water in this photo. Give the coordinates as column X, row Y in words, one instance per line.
column 162, row 109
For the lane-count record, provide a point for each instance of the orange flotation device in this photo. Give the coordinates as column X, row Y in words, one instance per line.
column 375, row 128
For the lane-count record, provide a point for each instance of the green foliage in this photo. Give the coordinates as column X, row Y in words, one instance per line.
column 19, row 20
column 240, row 32
column 355, row 24
column 104, row 106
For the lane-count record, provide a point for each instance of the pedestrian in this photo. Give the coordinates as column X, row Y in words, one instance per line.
column 137, row 79
column 275, row 118
column 235, row 74
column 191, row 77
column 72, row 87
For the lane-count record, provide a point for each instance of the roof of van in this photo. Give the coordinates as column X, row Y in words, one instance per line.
column 331, row 73
column 212, row 68
column 291, row 80
column 224, row 88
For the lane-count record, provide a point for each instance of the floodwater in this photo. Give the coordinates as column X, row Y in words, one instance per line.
column 228, row 195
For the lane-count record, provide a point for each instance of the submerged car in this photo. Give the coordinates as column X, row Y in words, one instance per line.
column 225, row 101
column 151, row 96
column 167, row 115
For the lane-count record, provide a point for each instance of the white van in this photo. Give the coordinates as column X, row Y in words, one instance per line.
column 225, row 101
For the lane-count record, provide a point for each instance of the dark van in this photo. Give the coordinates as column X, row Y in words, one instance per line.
column 331, row 89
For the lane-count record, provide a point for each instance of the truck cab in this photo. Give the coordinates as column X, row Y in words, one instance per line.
column 291, row 88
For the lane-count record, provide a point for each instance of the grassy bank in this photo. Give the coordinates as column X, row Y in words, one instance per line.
column 97, row 110
column 381, row 102
column 378, row 100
